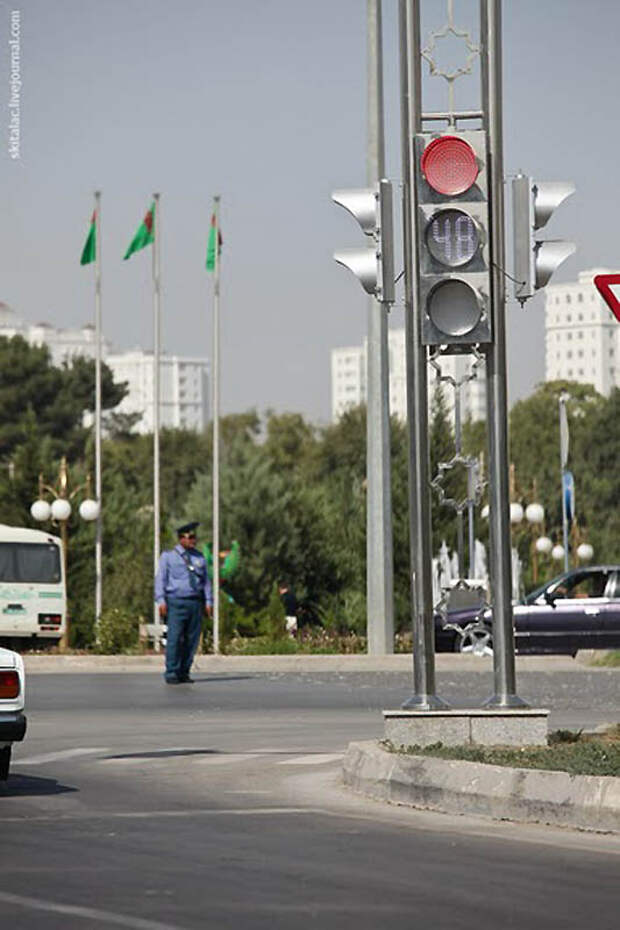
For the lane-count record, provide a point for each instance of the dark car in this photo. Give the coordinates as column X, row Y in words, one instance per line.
column 579, row 609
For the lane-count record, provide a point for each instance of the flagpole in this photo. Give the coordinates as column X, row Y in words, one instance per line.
column 156, row 356
column 98, row 347
column 216, row 431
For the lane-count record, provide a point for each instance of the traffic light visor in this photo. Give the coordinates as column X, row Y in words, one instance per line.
column 449, row 165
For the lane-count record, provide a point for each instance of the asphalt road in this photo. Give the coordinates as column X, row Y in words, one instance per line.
column 219, row 804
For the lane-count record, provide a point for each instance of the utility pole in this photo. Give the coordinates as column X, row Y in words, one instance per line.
column 379, row 555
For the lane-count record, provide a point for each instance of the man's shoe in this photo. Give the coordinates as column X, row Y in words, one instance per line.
column 172, row 681
column 186, row 680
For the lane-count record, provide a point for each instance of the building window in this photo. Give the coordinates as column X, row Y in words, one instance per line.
column 580, row 353
column 568, row 299
column 580, row 316
column 580, row 297
column 569, row 318
column 569, row 373
column 569, row 354
column 569, row 335
column 580, row 335
column 581, row 372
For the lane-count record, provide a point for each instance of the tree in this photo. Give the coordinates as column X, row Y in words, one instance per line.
column 30, row 386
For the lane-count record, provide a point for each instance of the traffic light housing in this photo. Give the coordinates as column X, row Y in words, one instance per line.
column 373, row 267
column 535, row 260
column 453, row 239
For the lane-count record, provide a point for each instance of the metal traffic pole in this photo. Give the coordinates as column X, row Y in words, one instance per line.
column 564, row 442
column 497, row 408
column 420, row 533
column 379, row 555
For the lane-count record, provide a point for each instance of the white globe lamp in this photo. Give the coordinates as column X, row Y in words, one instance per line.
column 585, row 552
column 89, row 510
column 484, row 513
column 41, row 511
column 534, row 513
column 543, row 545
column 61, row 509
column 516, row 513
column 557, row 553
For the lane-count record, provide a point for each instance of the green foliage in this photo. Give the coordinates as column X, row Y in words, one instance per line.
column 292, row 495
column 33, row 391
column 118, row 631
column 582, row 756
column 272, row 619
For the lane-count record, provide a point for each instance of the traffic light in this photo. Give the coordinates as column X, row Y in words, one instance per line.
column 535, row 260
column 453, row 237
column 374, row 267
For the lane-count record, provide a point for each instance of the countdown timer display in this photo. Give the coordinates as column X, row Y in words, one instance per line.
column 452, row 238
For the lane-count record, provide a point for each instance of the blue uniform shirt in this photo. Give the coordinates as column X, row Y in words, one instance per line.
column 173, row 578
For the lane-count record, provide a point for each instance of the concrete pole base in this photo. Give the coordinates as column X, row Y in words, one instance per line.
column 478, row 726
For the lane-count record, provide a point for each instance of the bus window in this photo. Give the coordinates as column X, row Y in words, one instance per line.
column 29, row 562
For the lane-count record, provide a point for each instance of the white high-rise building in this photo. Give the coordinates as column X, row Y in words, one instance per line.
column 582, row 337
column 184, row 389
column 63, row 344
column 184, row 382
column 349, row 380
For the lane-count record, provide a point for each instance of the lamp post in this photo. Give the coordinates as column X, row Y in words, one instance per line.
column 60, row 510
column 534, row 514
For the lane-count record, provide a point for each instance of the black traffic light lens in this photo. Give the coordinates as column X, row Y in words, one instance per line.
column 454, row 307
column 452, row 238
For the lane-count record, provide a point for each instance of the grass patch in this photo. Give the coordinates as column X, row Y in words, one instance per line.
column 576, row 753
column 610, row 659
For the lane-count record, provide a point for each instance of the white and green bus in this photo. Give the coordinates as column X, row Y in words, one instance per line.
column 33, row 600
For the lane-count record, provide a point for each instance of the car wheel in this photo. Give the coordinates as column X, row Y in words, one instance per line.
column 5, row 761
column 475, row 639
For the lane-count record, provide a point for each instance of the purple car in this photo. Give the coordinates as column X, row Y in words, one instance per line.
column 579, row 609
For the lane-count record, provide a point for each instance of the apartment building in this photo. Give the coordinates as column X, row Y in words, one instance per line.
column 348, row 380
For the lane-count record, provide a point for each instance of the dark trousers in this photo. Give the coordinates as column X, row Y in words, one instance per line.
column 184, row 619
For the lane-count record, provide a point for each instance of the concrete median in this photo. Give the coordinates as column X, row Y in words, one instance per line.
column 585, row 802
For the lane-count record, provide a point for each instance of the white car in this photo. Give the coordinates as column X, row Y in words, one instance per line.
column 12, row 694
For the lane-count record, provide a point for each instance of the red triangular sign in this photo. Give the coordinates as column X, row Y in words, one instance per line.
column 604, row 284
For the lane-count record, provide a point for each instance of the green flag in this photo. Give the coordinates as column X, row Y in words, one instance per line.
column 145, row 233
column 89, row 252
column 214, row 234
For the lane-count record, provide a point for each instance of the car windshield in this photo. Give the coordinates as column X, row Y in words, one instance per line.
column 30, row 562
column 548, row 585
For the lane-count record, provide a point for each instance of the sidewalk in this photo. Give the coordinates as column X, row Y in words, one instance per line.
column 294, row 663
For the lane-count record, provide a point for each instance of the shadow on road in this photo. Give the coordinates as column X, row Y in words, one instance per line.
column 24, row 786
column 163, row 754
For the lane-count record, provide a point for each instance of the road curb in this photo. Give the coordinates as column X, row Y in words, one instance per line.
column 586, row 802
column 401, row 662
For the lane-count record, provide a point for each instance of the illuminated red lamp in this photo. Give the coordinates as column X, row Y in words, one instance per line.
column 449, row 165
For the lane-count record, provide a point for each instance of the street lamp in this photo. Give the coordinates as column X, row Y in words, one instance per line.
column 585, row 552
column 534, row 514
column 557, row 553
column 60, row 510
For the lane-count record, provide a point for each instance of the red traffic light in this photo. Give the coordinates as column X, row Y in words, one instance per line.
column 449, row 165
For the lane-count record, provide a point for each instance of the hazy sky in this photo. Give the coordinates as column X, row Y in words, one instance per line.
column 263, row 102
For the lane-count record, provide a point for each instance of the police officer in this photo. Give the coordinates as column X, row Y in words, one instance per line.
column 183, row 594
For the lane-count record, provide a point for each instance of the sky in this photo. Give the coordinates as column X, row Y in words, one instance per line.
column 263, row 102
